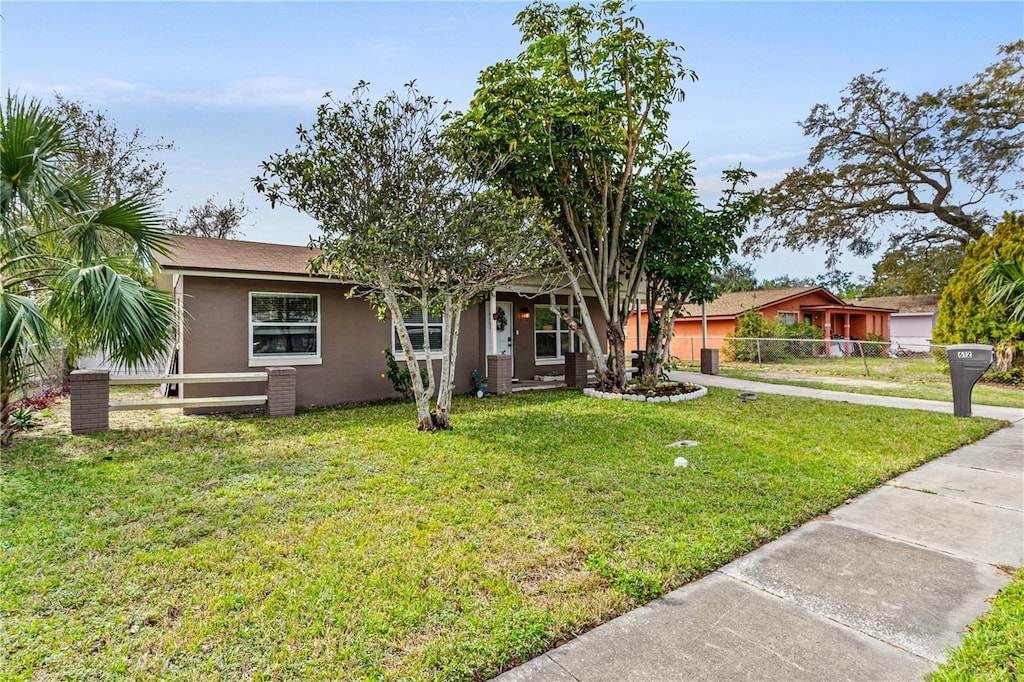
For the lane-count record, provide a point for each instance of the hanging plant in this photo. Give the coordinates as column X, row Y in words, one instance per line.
column 501, row 319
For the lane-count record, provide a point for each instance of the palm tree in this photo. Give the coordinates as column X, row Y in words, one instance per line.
column 1004, row 284
column 65, row 255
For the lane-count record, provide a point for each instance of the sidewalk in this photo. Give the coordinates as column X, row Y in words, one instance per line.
column 875, row 590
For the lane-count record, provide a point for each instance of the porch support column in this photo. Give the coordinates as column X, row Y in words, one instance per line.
column 493, row 310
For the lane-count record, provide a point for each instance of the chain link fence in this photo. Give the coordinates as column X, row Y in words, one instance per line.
column 46, row 374
column 916, row 362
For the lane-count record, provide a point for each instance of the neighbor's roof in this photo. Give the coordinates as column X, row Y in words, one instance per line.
column 924, row 303
column 739, row 302
column 232, row 255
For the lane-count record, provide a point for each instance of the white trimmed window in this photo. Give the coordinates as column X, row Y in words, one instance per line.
column 788, row 319
column 551, row 335
column 419, row 331
column 284, row 329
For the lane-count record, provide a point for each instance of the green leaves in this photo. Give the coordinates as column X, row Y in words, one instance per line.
column 64, row 252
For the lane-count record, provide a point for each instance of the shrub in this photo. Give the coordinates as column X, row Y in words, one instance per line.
column 964, row 316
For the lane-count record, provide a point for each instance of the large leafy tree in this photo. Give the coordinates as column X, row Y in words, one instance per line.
column 58, row 277
column 581, row 116
column 967, row 313
column 688, row 246
column 408, row 219
column 921, row 169
column 912, row 270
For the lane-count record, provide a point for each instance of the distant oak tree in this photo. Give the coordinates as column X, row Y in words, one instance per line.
column 923, row 169
column 123, row 161
column 212, row 220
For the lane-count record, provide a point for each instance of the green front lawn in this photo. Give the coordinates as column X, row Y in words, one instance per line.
column 993, row 650
column 901, row 378
column 343, row 544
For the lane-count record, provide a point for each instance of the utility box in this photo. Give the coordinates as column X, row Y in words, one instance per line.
column 967, row 362
column 709, row 361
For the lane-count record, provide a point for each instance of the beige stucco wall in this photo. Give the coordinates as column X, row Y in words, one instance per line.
column 216, row 337
column 525, row 365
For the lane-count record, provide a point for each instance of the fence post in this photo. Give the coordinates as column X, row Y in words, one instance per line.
column 757, row 342
column 90, row 400
column 280, row 391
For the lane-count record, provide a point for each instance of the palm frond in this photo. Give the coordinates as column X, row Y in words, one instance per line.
column 1004, row 284
column 24, row 333
column 111, row 310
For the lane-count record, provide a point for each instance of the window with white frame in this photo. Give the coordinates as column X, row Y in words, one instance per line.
column 284, row 327
column 788, row 319
column 432, row 329
column 551, row 334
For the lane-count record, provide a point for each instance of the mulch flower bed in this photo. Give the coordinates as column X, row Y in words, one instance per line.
column 663, row 392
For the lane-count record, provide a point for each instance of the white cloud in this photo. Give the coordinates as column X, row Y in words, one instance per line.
column 733, row 158
column 268, row 92
column 255, row 93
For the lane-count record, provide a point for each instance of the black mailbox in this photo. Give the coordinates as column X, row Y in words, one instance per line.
column 967, row 362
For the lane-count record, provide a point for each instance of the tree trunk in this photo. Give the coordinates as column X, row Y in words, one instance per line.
column 452, row 319
column 6, row 430
column 616, row 374
column 421, row 393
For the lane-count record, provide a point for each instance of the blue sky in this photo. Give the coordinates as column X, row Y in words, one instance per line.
column 228, row 82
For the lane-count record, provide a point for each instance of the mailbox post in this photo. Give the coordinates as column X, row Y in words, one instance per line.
column 967, row 362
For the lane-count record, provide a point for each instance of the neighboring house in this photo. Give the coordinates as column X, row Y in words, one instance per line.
column 244, row 305
column 910, row 327
column 811, row 304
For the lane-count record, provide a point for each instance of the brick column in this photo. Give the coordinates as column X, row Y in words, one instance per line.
column 280, row 391
column 90, row 400
column 576, row 367
column 499, row 374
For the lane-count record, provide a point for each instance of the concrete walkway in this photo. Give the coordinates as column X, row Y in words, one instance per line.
column 875, row 590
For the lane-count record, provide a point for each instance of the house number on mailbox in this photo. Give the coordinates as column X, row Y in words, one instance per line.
column 965, row 354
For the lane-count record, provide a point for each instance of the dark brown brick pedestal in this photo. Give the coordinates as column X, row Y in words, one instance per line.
column 576, row 367
column 280, row 391
column 499, row 374
column 90, row 400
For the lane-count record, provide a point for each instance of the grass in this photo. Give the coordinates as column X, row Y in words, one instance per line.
column 994, row 648
column 902, row 378
column 342, row 544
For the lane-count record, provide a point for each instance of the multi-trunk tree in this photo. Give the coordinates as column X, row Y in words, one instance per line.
column 580, row 119
column 407, row 217
column 688, row 246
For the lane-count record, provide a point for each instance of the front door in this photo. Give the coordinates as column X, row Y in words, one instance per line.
column 504, row 327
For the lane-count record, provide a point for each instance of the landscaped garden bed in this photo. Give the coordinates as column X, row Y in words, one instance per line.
column 662, row 392
column 343, row 544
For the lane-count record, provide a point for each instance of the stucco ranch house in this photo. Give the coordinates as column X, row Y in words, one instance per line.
column 911, row 325
column 244, row 305
column 810, row 304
